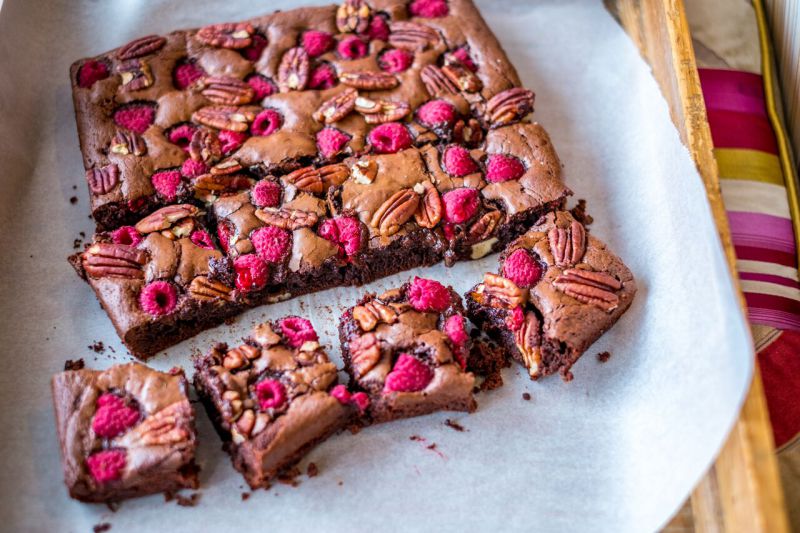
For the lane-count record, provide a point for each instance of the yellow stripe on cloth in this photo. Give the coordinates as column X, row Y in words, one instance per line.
column 764, row 267
column 751, row 165
column 755, row 197
column 765, row 287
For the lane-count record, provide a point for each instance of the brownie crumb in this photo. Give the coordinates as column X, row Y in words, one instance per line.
column 100, row 528
column 82, row 234
column 245, row 496
column 340, row 483
column 486, row 359
column 526, row 396
column 97, row 347
column 312, row 470
column 415, row 438
column 74, row 364
column 453, row 424
column 579, row 213
column 113, row 506
column 76, row 244
column 603, row 356
column 188, row 501
column 289, row 477
column 73, row 200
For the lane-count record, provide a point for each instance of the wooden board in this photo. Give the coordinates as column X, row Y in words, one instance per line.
column 741, row 491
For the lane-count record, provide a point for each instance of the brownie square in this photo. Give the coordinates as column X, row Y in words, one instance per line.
column 407, row 349
column 126, row 431
column 558, row 289
column 274, row 397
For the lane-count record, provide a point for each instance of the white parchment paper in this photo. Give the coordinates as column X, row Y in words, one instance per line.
column 617, row 449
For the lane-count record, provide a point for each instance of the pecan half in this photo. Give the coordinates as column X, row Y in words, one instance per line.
column 528, row 339
column 337, row 107
column 240, row 356
column 365, row 351
column 205, row 146
column 225, row 117
column 317, row 180
column 369, row 80
column 290, row 219
column 127, row 143
column 141, row 47
column 484, row 227
column 509, row 106
column 293, row 70
column 430, row 210
column 352, row 16
column 168, row 426
column 567, row 244
column 106, row 259
column 203, row 289
column 135, row 74
column 589, row 287
column 502, row 292
column 395, row 212
column 373, row 313
column 211, row 184
column 412, row 36
column 462, row 77
column 227, row 90
column 165, row 217
column 381, row 111
column 436, row 82
column 364, row 171
column 102, row 180
column 469, row 132
column 228, row 35
column 229, row 166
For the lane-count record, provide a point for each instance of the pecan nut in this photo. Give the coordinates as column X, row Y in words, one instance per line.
column 205, row 146
column 141, row 47
column 373, row 313
column 430, row 210
column 436, row 82
column 365, row 352
column 364, row 171
column 229, row 166
column 337, row 107
column 165, row 218
column 121, row 260
column 225, row 117
column 485, row 226
column 589, row 287
column 168, row 426
column 528, row 339
column 212, row 184
column 381, row 111
column 127, row 143
column 395, row 212
column 317, row 180
column 228, row 35
column 290, row 219
column 352, row 16
column 567, row 244
column 240, row 356
column 501, row 292
column 469, row 132
column 135, row 74
column 227, row 90
column 462, row 77
column 369, row 80
column 203, row 289
column 293, row 70
column 102, row 180
column 412, row 36
column 509, row 106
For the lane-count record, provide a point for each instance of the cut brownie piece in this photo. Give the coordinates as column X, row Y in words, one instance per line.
column 407, row 350
column 126, row 431
column 558, row 289
column 274, row 397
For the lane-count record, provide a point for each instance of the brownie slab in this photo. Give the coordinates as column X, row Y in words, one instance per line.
column 274, row 397
column 407, row 350
column 558, row 289
column 126, row 431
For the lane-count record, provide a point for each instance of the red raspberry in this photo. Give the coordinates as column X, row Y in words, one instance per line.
column 126, row 235
column 396, row 60
column 297, row 330
column 361, row 400
column 266, row 123
column 429, row 9
column 158, row 298
column 521, row 268
column 457, row 333
column 166, row 183
column 322, row 77
column 449, row 231
column 317, row 43
column 271, row 243
column 91, row 72
column 389, row 138
column 460, row 205
column 261, row 85
column 458, row 162
column 331, row 141
column 192, row 168
column 344, row 231
column 224, row 235
column 271, row 394
column 515, row 318
column 107, row 465
column 202, row 239
column 428, row 296
column 408, row 375
column 113, row 417
column 186, row 74
column 257, row 44
column 266, row 194
column 230, row 141
column 462, row 55
column 501, row 167
column 352, row 47
column 341, row 394
column 135, row 117
column 137, row 204
column 378, row 29
column 251, row 273
column 182, row 135
column 436, row 114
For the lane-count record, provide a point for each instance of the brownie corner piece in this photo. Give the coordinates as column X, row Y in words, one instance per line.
column 407, row 349
column 126, row 431
column 558, row 289
column 274, row 397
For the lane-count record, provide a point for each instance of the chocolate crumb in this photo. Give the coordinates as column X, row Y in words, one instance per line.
column 82, row 234
column 453, row 424
column 289, row 477
column 340, row 483
column 188, row 501
column 97, row 347
column 74, row 187
column 100, row 528
column 312, row 470
column 73, row 200
column 603, row 356
column 113, row 506
column 76, row 244
column 580, row 214
column 245, row 496
column 169, row 496
column 526, row 396
column 74, row 364
column 415, row 438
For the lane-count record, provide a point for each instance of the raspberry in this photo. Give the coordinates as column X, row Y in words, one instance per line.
column 436, row 113
column 317, row 43
column 341, row 393
column 136, row 117
column 458, row 162
column 462, row 55
column 266, row 194
column 261, row 86
column 344, row 231
column 449, row 231
column 192, row 168
column 389, row 138
column 322, row 77
column 501, row 167
column 137, row 204
column 251, row 273
column 257, row 44
column 429, row 9
column 297, row 330
column 91, row 72
column 182, row 135
column 271, row 394
column 331, row 141
column 271, row 243
column 428, row 296
column 231, row 140
column 113, row 417
column 361, row 400
column 186, row 74
column 166, row 183
column 202, row 239
column 396, row 60
column 158, row 298
column 460, row 205
column 515, row 318
column 224, row 236
column 126, row 235
column 454, row 328
column 107, row 465
column 521, row 268
column 266, row 123
column 352, row 47
column 408, row 375
column 378, row 28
